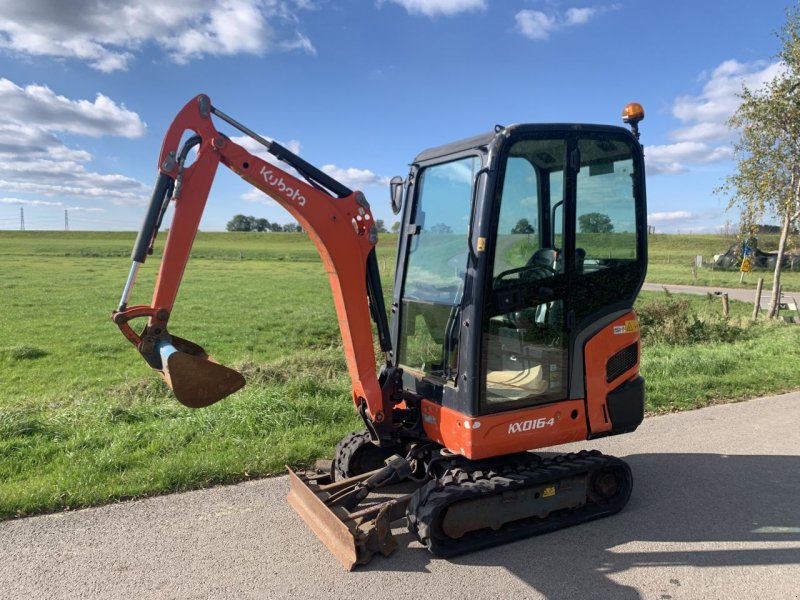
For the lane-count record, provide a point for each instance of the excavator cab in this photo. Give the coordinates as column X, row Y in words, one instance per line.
column 516, row 248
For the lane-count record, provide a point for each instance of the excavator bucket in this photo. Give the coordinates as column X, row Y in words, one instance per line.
column 196, row 379
column 352, row 536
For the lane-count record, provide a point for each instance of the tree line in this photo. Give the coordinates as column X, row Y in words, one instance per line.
column 593, row 222
column 247, row 223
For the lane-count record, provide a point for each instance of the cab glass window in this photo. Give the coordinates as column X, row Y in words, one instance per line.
column 524, row 340
column 436, row 267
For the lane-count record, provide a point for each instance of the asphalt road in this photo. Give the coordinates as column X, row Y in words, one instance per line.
column 743, row 295
column 715, row 513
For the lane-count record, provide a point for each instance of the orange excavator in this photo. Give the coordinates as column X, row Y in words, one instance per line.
column 510, row 328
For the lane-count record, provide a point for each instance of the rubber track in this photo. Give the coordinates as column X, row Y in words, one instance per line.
column 428, row 505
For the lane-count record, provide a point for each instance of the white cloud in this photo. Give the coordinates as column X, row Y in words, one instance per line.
column 256, row 195
column 678, row 221
column 39, row 105
column 300, row 42
column 673, row 158
column 720, row 96
column 704, row 136
column 83, row 184
column 85, row 209
column 538, row 25
column 662, row 217
column 107, row 35
column 258, row 149
column 535, row 24
column 433, row 8
column 35, row 161
column 579, row 16
column 22, row 202
column 355, row 178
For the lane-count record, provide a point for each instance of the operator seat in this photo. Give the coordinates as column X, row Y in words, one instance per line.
column 543, row 257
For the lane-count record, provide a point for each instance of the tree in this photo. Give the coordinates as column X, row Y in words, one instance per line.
column 523, row 226
column 767, row 152
column 239, row 223
column 247, row 223
column 396, row 227
column 380, row 225
column 291, row 228
column 595, row 222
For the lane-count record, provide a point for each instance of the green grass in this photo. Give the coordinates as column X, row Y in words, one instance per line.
column 83, row 421
column 738, row 359
column 686, row 377
column 670, row 260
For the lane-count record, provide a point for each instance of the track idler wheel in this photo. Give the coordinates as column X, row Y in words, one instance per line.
column 356, row 454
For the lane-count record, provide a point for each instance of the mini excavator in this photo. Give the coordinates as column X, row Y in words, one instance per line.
column 510, row 329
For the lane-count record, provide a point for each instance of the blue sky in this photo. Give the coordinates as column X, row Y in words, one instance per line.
column 359, row 87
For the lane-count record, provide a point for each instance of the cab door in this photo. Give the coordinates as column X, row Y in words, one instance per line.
column 524, row 341
column 569, row 254
column 435, row 273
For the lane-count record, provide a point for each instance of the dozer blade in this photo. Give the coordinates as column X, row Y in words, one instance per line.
column 196, row 379
column 352, row 537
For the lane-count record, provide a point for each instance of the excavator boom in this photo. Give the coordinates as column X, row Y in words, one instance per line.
column 337, row 220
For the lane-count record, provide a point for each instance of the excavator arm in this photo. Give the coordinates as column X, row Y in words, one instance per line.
column 337, row 220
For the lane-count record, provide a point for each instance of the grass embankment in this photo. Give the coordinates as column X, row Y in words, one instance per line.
column 692, row 357
column 83, row 421
column 670, row 260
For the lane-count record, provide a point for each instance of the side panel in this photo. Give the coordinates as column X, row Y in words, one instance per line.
column 507, row 432
column 609, row 343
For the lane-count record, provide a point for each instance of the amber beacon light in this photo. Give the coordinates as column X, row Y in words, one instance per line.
column 632, row 114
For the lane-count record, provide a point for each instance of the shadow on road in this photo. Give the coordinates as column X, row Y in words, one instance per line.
column 677, row 498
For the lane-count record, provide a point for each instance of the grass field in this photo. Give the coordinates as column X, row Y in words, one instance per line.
column 83, row 420
column 671, row 258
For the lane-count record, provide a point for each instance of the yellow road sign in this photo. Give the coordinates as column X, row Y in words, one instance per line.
column 745, row 265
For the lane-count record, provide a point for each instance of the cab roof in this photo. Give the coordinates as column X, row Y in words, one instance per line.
column 485, row 139
column 476, row 141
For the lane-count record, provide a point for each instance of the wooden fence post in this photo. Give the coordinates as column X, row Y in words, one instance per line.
column 726, row 307
column 757, row 304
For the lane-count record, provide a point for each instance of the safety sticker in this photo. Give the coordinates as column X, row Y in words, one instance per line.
column 629, row 327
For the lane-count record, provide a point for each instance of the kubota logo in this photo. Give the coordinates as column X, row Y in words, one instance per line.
column 279, row 184
column 530, row 424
